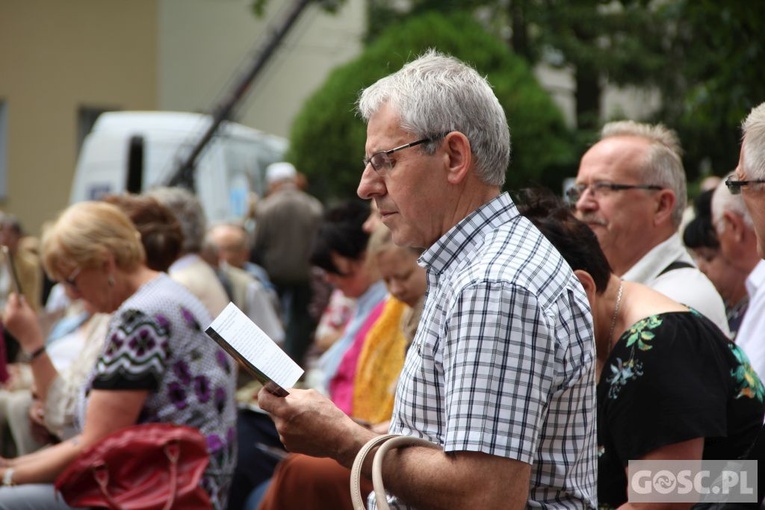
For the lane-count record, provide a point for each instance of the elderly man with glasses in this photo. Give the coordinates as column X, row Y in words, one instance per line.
column 738, row 247
column 631, row 191
column 747, row 190
column 748, row 179
column 501, row 372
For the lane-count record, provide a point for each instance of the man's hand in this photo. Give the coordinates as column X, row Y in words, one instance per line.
column 311, row 424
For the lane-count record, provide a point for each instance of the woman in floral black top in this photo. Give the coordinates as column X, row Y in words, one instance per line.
column 670, row 384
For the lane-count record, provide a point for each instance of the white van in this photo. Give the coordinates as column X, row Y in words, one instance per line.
column 231, row 166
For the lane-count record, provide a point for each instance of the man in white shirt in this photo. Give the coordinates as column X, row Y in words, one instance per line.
column 748, row 183
column 190, row 270
column 631, row 190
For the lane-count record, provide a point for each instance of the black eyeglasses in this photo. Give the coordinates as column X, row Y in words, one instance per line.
column 381, row 160
column 735, row 186
column 600, row 189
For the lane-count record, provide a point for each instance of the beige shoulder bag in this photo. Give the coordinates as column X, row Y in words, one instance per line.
column 387, row 442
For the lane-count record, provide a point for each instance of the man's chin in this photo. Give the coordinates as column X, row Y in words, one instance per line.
column 401, row 236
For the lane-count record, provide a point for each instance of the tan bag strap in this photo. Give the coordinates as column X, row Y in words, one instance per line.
column 388, row 442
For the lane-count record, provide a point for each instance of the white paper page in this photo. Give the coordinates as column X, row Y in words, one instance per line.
column 256, row 347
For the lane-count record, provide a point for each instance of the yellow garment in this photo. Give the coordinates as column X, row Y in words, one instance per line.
column 380, row 363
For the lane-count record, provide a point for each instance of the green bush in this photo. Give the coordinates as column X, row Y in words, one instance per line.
column 327, row 137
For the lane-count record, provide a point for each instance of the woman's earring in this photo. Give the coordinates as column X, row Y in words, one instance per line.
column 110, row 281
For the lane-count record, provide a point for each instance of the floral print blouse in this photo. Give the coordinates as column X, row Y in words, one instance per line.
column 670, row 378
column 156, row 342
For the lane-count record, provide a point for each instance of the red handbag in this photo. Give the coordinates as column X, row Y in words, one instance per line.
column 154, row 466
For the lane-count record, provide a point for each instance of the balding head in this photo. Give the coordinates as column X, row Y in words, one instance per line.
column 232, row 243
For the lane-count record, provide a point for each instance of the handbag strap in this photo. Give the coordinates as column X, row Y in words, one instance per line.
column 387, row 442
column 358, row 463
column 172, row 451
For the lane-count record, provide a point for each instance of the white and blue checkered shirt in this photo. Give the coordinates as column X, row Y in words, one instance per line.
column 504, row 359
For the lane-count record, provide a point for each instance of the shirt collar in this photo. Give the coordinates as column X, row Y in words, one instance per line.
column 458, row 241
column 756, row 279
column 655, row 261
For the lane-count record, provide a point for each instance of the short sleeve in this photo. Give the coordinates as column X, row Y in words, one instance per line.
column 499, row 361
column 665, row 382
column 136, row 353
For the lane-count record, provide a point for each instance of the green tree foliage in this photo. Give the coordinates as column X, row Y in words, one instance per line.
column 327, row 137
column 703, row 56
column 714, row 75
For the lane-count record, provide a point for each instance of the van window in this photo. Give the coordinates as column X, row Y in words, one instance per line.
column 248, row 159
column 86, row 118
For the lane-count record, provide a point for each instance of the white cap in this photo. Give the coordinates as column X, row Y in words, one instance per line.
column 280, row 171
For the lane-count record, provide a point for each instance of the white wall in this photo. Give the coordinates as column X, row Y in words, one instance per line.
column 203, row 44
column 630, row 102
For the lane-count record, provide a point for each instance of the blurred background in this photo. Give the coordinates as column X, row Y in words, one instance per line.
column 293, row 69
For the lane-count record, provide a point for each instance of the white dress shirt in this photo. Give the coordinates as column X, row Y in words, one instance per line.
column 751, row 334
column 686, row 285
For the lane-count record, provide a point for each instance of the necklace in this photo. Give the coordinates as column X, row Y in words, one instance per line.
column 616, row 312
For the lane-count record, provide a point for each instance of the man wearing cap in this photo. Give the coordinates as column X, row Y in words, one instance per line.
column 287, row 220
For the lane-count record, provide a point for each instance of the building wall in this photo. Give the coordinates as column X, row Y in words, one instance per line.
column 56, row 57
column 616, row 102
column 206, row 45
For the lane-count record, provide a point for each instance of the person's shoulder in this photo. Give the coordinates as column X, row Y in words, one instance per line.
column 685, row 283
column 544, row 277
column 237, row 276
column 164, row 294
column 521, row 250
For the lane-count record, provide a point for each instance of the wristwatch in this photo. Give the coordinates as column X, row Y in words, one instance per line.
column 8, row 477
column 26, row 357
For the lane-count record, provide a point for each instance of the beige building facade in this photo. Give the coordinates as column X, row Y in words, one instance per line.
column 59, row 63
column 62, row 63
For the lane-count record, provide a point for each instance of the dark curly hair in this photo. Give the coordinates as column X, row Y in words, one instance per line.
column 341, row 232
column 572, row 238
column 161, row 233
column 700, row 231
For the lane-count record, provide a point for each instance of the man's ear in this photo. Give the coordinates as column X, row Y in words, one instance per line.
column 588, row 283
column 665, row 205
column 734, row 223
column 458, row 155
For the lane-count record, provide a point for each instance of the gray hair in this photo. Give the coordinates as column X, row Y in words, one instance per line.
column 753, row 144
column 188, row 210
column 723, row 200
column 436, row 94
column 663, row 165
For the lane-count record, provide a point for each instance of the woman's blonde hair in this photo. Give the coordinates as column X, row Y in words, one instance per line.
column 85, row 235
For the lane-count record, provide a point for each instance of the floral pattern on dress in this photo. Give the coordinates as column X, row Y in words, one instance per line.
column 747, row 382
column 639, row 337
column 641, row 333
column 155, row 343
column 623, row 372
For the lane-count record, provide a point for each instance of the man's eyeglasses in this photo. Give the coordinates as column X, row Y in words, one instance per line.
column 72, row 279
column 735, row 186
column 381, row 160
column 600, row 189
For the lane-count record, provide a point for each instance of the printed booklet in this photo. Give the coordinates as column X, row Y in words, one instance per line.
column 248, row 344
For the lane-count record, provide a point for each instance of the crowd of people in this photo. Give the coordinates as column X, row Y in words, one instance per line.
column 540, row 343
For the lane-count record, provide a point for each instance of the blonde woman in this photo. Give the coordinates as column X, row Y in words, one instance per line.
column 157, row 364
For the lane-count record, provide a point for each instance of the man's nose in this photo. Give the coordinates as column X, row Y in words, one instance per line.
column 586, row 201
column 371, row 184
